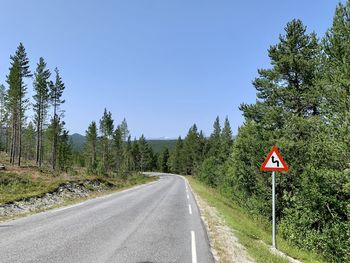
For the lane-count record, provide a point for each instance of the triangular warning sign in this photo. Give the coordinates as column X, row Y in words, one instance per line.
column 274, row 161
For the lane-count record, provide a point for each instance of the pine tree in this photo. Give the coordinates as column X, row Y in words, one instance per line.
column 14, row 82
column 118, row 147
column 41, row 98
column 91, row 146
column 56, row 92
column 3, row 118
column 29, row 141
column 19, row 70
column 336, row 80
column 106, row 129
column 128, row 158
column 124, row 130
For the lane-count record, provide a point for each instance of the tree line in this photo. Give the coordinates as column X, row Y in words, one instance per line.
column 38, row 138
column 110, row 150
column 303, row 107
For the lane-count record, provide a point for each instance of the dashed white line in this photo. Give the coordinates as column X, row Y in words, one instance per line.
column 190, row 209
column 193, row 245
column 188, row 197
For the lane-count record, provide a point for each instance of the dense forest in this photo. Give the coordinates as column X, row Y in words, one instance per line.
column 302, row 107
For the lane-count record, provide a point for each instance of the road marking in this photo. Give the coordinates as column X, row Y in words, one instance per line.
column 188, row 197
column 190, row 209
column 194, row 250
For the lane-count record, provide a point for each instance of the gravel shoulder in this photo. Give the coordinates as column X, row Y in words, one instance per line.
column 224, row 244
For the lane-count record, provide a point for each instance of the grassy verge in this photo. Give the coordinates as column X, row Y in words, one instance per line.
column 254, row 234
column 14, row 187
column 28, row 183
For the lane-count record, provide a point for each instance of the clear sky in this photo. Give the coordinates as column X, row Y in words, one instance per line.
column 161, row 64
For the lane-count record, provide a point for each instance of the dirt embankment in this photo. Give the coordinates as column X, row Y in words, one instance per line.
column 63, row 193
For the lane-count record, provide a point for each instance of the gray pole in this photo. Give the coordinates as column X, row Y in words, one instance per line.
column 273, row 212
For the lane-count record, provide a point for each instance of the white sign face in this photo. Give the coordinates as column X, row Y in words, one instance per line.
column 274, row 162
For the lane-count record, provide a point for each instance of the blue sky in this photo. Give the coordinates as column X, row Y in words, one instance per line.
column 163, row 65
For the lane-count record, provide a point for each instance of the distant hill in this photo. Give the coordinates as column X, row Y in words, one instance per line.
column 78, row 141
column 157, row 145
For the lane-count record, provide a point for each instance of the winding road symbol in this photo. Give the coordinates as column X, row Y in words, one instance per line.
column 275, row 161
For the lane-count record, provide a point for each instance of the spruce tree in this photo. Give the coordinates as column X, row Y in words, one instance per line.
column 226, row 140
column 64, row 149
column 176, row 158
column 191, row 151
column 146, row 155
column 163, row 161
column 215, row 140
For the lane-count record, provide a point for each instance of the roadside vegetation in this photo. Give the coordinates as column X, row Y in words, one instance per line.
column 36, row 153
column 254, row 233
column 302, row 107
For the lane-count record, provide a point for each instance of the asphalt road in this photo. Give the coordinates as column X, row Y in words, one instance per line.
column 157, row 222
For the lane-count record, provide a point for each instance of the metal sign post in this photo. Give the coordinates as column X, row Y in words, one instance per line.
column 274, row 162
column 273, row 212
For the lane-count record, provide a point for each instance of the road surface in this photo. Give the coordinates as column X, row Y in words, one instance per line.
column 156, row 222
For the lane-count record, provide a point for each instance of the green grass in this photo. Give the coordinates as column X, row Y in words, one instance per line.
column 252, row 233
column 14, row 187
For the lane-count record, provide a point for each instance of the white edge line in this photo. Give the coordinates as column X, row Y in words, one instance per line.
column 193, row 245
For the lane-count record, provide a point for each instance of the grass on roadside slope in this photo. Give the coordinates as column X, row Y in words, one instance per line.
column 14, row 187
column 252, row 234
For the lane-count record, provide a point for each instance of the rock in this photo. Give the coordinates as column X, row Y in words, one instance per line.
column 48, row 200
column 2, row 167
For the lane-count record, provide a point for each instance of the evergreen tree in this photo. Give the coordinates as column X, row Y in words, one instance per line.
column 41, row 98
column 176, row 158
column 336, row 80
column 91, row 146
column 215, row 140
column 118, row 148
column 128, row 158
column 163, row 161
column 124, row 130
column 56, row 92
column 29, row 141
column 106, row 129
column 64, row 150
column 146, row 155
column 3, row 118
column 226, row 140
column 191, row 151
column 135, row 151
column 19, row 70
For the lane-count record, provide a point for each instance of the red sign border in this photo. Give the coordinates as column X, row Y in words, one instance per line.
column 285, row 166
